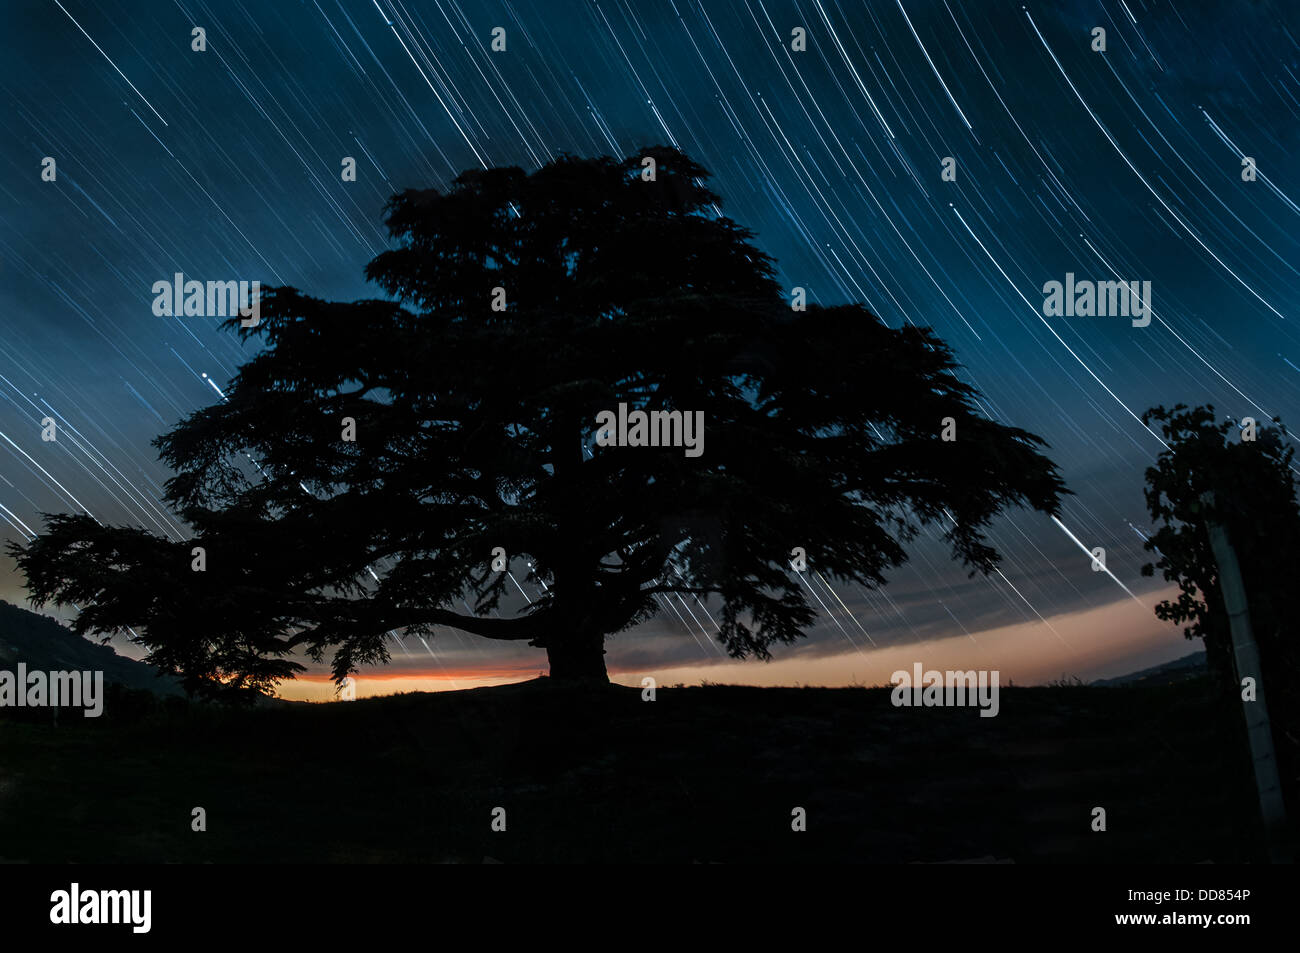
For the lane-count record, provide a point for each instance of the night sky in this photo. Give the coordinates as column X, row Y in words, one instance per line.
column 1127, row 164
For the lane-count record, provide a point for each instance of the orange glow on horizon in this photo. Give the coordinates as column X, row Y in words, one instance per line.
column 1093, row 643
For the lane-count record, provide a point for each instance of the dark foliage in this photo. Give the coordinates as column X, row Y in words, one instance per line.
column 1254, row 498
column 474, row 430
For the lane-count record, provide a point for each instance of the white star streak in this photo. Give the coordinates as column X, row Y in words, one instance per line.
column 110, row 61
column 1104, row 567
column 951, row 98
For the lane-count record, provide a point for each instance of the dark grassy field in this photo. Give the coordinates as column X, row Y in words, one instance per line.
column 707, row 774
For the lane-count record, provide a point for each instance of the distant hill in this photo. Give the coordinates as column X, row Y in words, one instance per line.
column 1189, row 666
column 43, row 644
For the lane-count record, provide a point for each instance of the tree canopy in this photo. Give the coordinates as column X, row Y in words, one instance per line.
column 373, row 455
column 1253, row 496
column 1247, row 486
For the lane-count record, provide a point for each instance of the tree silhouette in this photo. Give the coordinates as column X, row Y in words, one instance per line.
column 1253, row 497
column 527, row 305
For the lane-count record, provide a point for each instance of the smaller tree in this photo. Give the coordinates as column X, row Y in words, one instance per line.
column 1246, row 486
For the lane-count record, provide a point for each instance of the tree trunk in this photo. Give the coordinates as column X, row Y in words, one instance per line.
column 578, row 659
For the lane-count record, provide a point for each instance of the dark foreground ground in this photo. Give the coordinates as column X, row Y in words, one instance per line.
column 708, row 774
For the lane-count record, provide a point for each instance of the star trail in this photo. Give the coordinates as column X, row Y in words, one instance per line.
column 938, row 161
